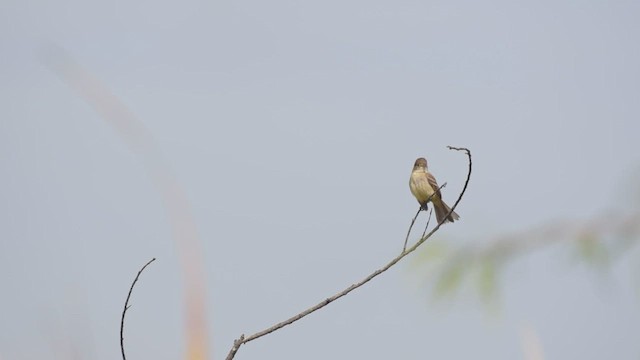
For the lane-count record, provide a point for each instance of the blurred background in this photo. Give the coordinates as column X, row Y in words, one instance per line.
column 262, row 151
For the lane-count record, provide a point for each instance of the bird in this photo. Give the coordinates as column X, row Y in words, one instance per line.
column 423, row 185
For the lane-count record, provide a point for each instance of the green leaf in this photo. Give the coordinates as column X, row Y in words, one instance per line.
column 592, row 250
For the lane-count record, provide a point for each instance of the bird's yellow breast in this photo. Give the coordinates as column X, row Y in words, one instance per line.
column 419, row 185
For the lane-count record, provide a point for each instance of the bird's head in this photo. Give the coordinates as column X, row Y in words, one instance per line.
column 421, row 163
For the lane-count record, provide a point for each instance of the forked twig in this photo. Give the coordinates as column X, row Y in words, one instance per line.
column 428, row 221
column 243, row 340
column 416, row 217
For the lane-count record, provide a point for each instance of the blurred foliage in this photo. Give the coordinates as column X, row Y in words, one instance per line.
column 451, row 277
column 597, row 242
column 591, row 249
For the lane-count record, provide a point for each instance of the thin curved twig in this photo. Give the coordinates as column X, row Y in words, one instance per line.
column 243, row 340
column 411, row 227
column 127, row 306
column 428, row 221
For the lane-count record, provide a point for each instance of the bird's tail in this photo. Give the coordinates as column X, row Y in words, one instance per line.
column 442, row 210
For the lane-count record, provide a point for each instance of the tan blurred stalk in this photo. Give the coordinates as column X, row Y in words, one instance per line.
column 531, row 344
column 140, row 141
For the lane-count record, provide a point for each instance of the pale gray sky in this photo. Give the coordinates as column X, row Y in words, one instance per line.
column 292, row 126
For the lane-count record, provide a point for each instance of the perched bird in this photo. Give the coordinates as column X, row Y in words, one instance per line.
column 423, row 185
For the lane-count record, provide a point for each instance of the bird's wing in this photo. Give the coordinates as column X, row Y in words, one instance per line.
column 434, row 185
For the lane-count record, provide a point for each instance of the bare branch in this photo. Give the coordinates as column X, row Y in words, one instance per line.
column 236, row 347
column 243, row 340
column 127, row 306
